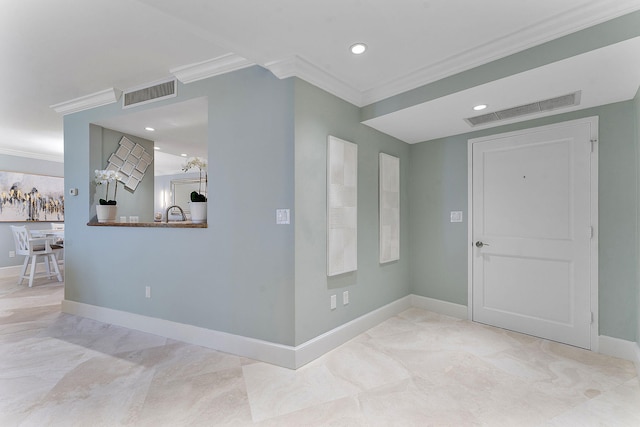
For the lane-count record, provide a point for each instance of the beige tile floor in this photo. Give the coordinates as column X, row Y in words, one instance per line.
column 415, row 369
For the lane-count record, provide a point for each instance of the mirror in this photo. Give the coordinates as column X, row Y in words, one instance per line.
column 179, row 132
column 181, row 193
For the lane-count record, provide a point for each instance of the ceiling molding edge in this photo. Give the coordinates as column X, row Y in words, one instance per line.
column 32, row 155
column 554, row 28
column 98, row 99
column 210, row 68
column 295, row 66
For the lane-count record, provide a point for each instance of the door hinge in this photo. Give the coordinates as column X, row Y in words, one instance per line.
column 593, row 143
column 592, row 318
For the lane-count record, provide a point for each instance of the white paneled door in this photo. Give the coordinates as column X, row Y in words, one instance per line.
column 532, row 231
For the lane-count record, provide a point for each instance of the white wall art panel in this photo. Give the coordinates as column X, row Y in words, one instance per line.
column 131, row 161
column 389, row 182
column 342, row 206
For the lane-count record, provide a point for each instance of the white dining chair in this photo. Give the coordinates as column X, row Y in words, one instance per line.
column 59, row 228
column 32, row 248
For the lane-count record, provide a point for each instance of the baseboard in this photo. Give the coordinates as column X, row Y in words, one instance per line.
column 295, row 357
column 622, row 349
column 326, row 342
column 277, row 354
column 458, row 311
column 11, row 271
column 14, row 270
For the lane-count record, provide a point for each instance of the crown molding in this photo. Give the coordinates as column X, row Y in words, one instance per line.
column 211, row 67
column 98, row 99
column 558, row 26
column 295, row 66
column 31, row 155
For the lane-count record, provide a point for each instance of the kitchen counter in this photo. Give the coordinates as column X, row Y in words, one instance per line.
column 170, row 224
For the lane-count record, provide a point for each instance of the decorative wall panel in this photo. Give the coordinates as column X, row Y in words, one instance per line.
column 131, row 161
column 342, row 206
column 389, row 182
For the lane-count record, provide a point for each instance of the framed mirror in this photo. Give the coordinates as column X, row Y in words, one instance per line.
column 181, row 193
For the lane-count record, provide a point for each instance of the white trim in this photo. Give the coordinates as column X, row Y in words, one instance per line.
column 326, row 342
column 11, row 271
column 458, row 311
column 294, row 357
column 210, row 68
column 594, row 256
column 593, row 121
column 58, row 158
column 98, row 99
column 623, row 349
column 550, row 29
column 554, row 27
column 303, row 69
column 14, row 270
column 277, row 354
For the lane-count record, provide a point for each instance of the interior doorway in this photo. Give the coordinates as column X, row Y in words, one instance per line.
column 533, row 231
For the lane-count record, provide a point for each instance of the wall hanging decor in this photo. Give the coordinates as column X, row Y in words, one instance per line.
column 342, row 206
column 131, row 161
column 389, row 182
column 29, row 197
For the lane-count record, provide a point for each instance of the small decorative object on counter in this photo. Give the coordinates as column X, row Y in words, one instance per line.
column 198, row 204
column 106, row 209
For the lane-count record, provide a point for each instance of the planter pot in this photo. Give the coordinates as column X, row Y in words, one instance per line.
column 198, row 211
column 106, row 213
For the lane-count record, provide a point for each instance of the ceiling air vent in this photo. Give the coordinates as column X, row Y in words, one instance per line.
column 522, row 110
column 153, row 93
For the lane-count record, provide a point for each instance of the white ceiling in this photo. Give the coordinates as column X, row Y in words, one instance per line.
column 62, row 50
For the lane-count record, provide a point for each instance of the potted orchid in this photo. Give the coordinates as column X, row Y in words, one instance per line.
column 198, row 204
column 106, row 209
column 196, row 162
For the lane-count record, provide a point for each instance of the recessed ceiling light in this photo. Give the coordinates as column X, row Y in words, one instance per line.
column 480, row 107
column 358, row 48
column 150, row 129
column 183, row 155
column 156, row 148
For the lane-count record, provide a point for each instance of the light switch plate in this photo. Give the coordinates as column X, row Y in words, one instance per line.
column 456, row 216
column 283, row 216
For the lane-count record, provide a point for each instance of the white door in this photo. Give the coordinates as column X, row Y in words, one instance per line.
column 532, row 245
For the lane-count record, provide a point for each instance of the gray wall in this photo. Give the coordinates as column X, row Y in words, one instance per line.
column 234, row 276
column 25, row 165
column 438, row 184
column 139, row 202
column 267, row 150
column 319, row 114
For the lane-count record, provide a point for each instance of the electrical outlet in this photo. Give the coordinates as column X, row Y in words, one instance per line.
column 334, row 303
column 147, row 292
column 345, row 298
column 12, row 254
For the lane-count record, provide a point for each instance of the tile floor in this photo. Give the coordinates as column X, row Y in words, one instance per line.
column 415, row 369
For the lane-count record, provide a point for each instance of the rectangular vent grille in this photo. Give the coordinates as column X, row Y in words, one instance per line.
column 149, row 94
column 523, row 110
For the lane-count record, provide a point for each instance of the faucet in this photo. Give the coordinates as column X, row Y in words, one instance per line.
column 166, row 215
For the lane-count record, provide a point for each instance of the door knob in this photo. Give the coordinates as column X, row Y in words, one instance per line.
column 479, row 244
